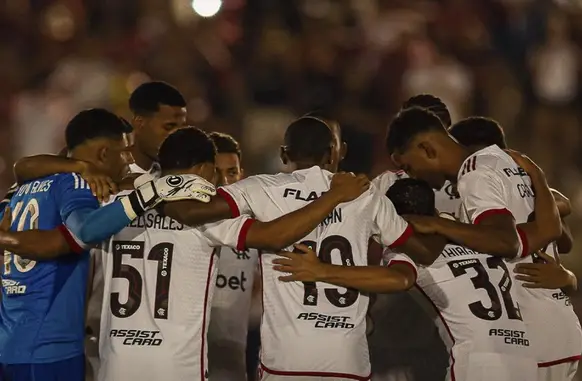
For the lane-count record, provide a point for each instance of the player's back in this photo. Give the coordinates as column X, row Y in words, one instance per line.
column 159, row 277
column 303, row 321
column 43, row 302
column 480, row 320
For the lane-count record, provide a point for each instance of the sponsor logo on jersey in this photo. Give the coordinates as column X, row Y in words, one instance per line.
column 137, row 337
column 510, row 336
column 12, row 287
column 326, row 321
column 235, row 282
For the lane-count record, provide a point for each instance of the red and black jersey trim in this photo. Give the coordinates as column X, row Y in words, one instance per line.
column 469, row 165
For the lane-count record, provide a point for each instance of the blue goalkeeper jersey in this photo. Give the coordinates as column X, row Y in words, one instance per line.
column 43, row 303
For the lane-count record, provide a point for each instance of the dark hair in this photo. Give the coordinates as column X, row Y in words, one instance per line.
column 186, row 148
column 412, row 196
column 94, row 123
column 407, row 124
column 431, row 103
column 225, row 143
column 147, row 98
column 308, row 138
column 478, row 131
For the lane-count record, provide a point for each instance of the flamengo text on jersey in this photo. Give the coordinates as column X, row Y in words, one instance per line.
column 137, row 337
column 326, row 321
column 334, row 217
column 155, row 221
column 510, row 336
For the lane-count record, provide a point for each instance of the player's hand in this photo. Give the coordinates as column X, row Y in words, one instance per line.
column 348, row 186
column 101, row 185
column 6, row 220
column 184, row 187
column 549, row 275
column 525, row 162
column 303, row 266
column 423, row 224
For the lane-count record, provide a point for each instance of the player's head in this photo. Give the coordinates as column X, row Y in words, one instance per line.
column 336, row 131
column 310, row 141
column 412, row 196
column 188, row 151
column 420, row 145
column 479, row 132
column 430, row 103
column 228, row 158
column 158, row 110
column 101, row 138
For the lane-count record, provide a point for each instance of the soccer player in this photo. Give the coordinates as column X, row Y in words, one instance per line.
column 495, row 193
column 548, row 313
column 231, row 305
column 303, row 321
column 42, row 315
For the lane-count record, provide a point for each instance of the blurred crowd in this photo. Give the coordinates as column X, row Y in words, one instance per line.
column 257, row 64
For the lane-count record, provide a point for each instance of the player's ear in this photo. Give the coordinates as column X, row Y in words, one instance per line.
column 283, row 154
column 102, row 154
column 242, row 173
column 428, row 149
column 137, row 122
column 343, row 150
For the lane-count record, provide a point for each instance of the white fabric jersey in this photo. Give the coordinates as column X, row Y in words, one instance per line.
column 479, row 316
column 159, row 279
column 491, row 182
column 553, row 322
column 231, row 306
column 316, row 330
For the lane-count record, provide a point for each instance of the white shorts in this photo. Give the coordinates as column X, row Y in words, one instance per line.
column 559, row 372
column 493, row 367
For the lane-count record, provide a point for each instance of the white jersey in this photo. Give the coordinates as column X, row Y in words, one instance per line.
column 553, row 323
column 316, row 330
column 479, row 318
column 491, row 182
column 159, row 279
column 231, row 306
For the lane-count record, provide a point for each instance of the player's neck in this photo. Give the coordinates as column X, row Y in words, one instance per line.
column 297, row 166
column 141, row 159
column 458, row 155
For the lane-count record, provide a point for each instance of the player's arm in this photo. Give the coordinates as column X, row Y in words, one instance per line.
column 566, row 240
column 34, row 167
column 231, row 201
column 493, row 229
column 305, row 266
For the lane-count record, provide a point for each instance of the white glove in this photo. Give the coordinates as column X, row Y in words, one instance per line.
column 167, row 188
column 141, row 180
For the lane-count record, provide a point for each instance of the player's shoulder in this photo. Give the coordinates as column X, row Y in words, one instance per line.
column 487, row 160
column 69, row 180
column 386, row 179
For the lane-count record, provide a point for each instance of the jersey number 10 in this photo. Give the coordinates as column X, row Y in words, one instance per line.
column 343, row 246
column 161, row 253
column 31, row 213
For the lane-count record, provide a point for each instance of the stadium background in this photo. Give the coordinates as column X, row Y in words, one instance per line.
column 256, row 64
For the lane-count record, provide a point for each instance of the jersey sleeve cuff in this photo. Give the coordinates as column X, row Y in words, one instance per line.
column 241, row 243
column 490, row 212
column 406, row 234
column 74, row 243
column 234, row 210
column 524, row 244
column 401, row 262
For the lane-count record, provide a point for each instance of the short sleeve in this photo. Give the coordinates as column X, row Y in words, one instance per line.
column 389, row 229
column 237, row 196
column 231, row 233
column 391, row 258
column 482, row 194
column 73, row 193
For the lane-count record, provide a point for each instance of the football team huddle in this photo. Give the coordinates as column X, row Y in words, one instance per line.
column 147, row 235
